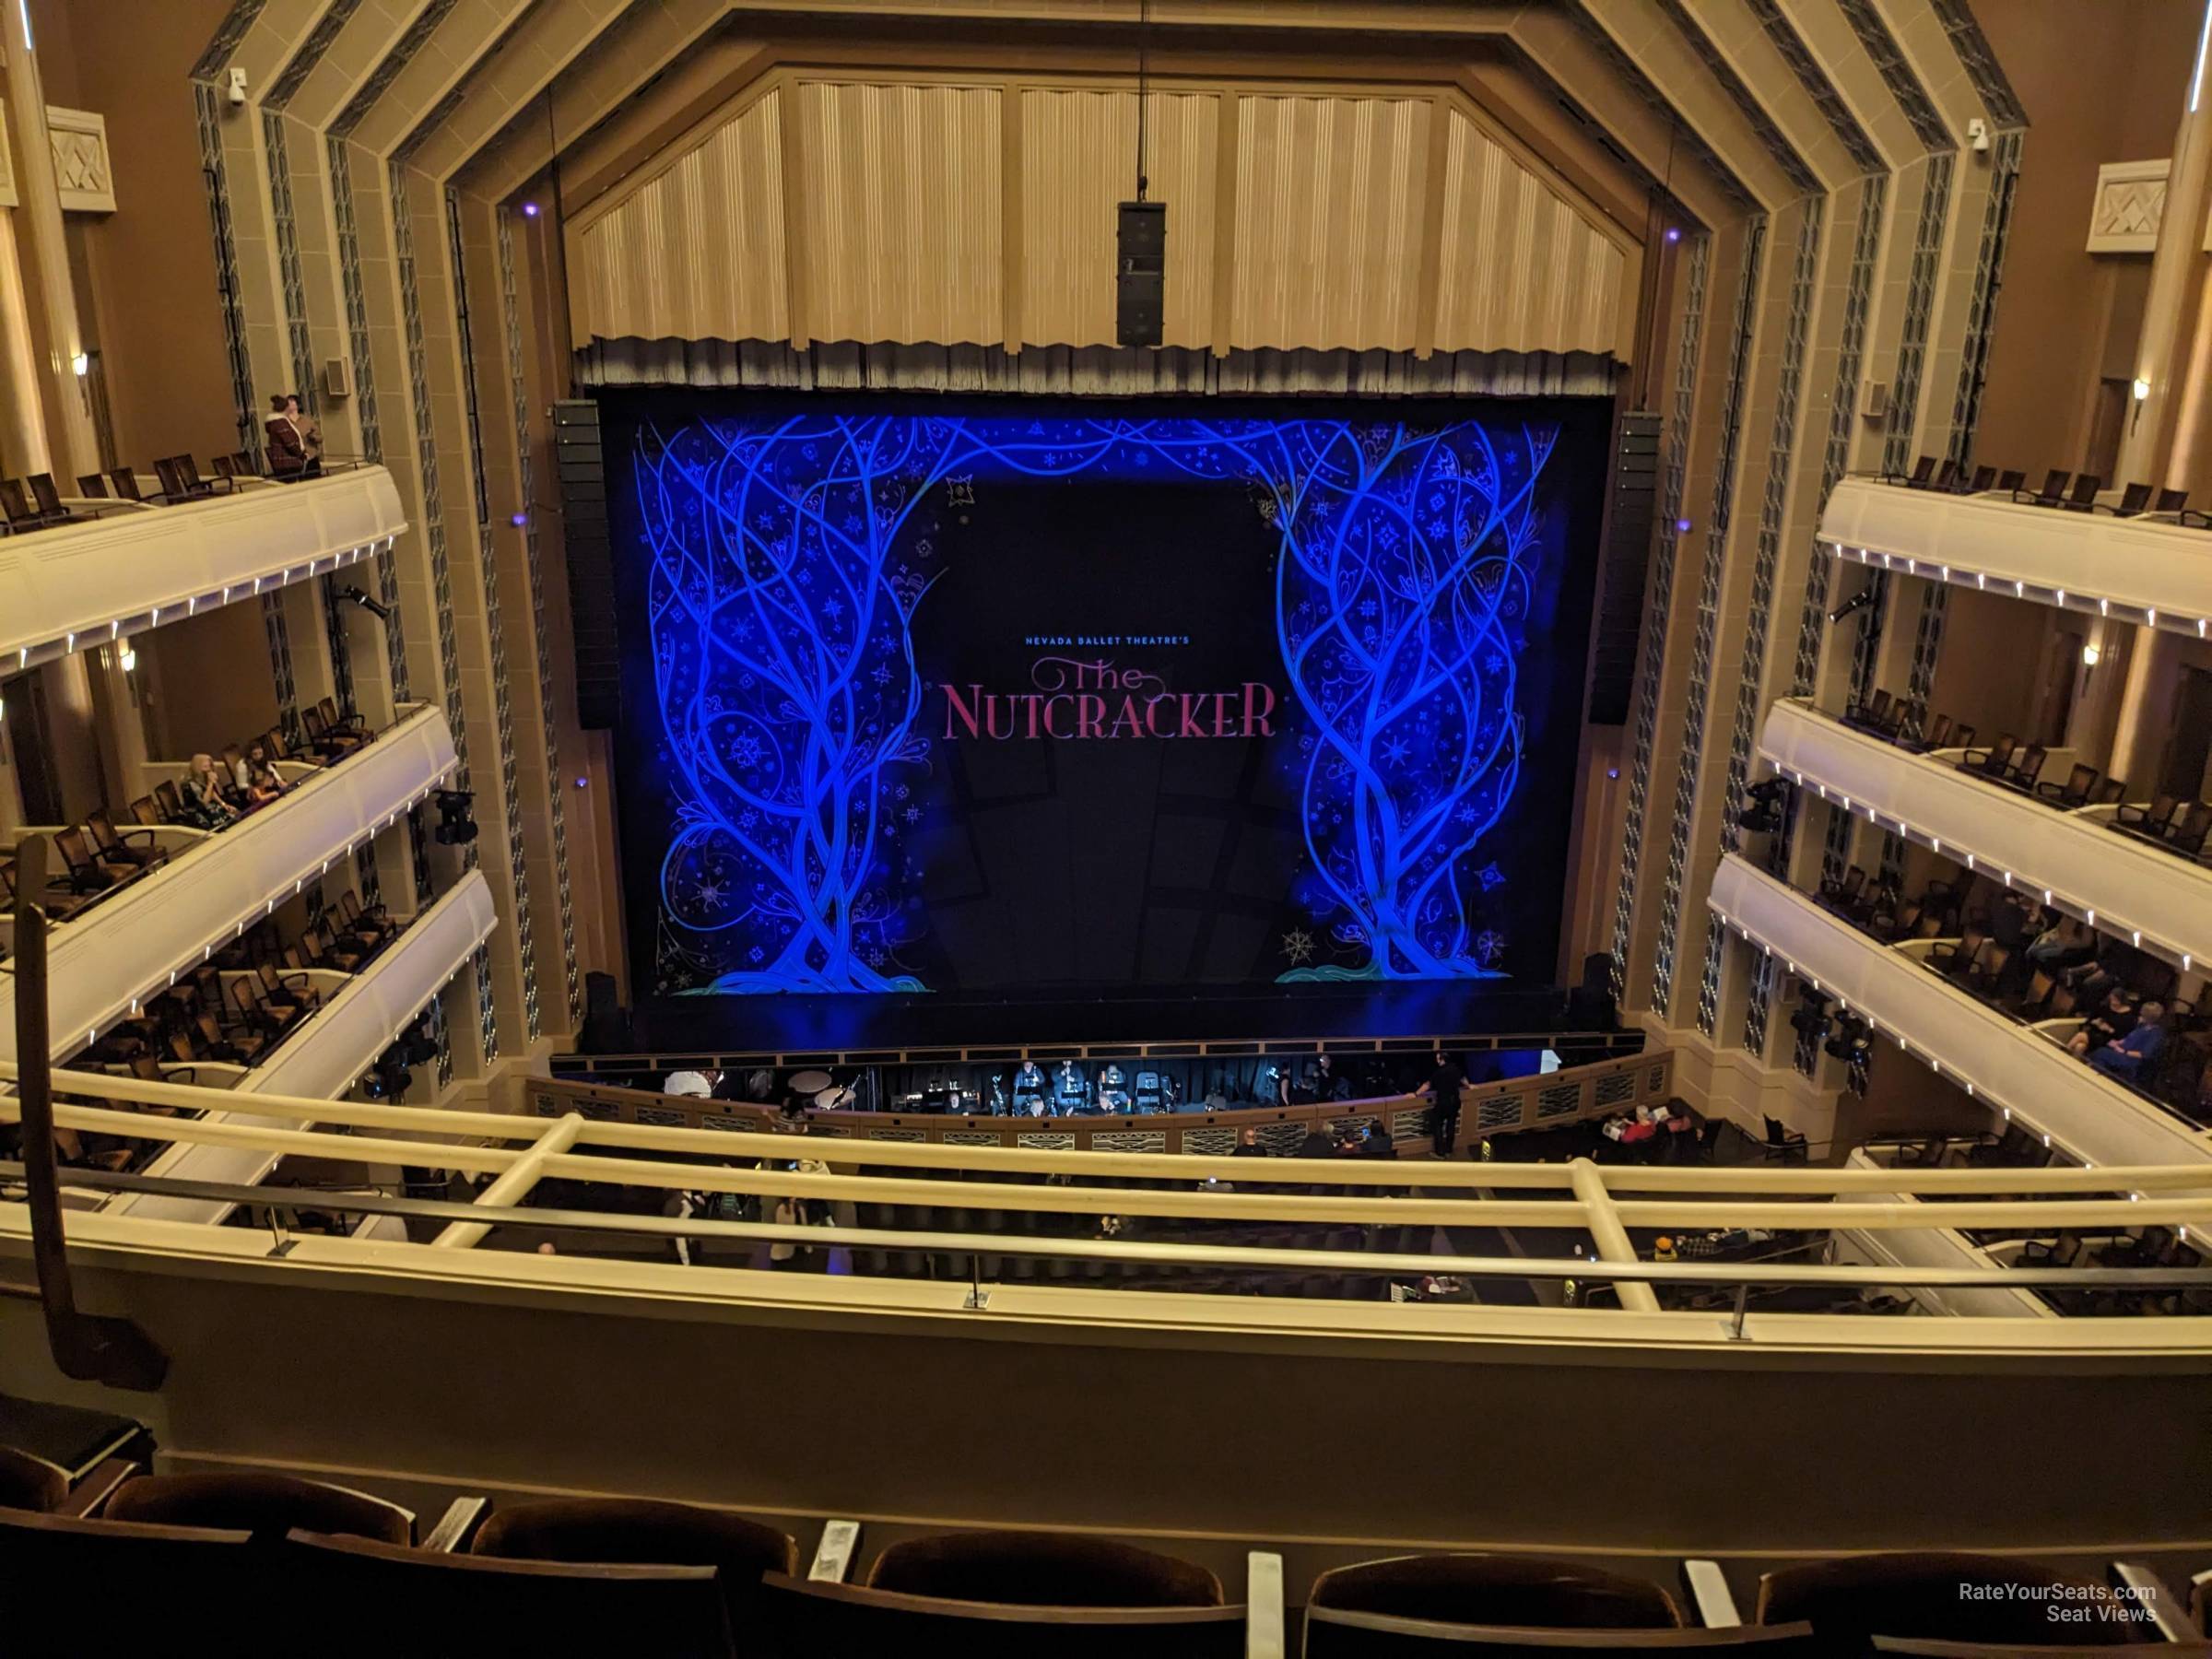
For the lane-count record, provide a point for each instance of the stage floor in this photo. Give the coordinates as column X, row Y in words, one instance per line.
column 879, row 1026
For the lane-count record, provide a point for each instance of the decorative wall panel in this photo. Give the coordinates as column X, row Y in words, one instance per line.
column 1522, row 269
column 1330, row 193
column 903, row 232
column 720, row 207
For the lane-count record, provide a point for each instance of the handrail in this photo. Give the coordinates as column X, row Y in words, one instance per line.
column 1761, row 1179
column 1722, row 1273
column 1197, row 1194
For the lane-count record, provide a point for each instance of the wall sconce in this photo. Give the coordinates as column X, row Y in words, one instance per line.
column 128, row 657
column 80, row 365
column 2089, row 653
column 2141, row 389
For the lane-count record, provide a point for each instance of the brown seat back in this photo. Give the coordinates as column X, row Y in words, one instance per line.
column 265, row 1505
column 638, row 1530
column 1047, row 1568
column 1474, row 1588
column 1857, row 1597
column 31, row 1483
column 396, row 1600
column 126, row 483
column 848, row 1621
column 91, row 484
column 76, row 1586
column 1334, row 1634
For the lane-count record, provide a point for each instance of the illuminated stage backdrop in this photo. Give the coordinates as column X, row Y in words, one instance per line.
column 972, row 697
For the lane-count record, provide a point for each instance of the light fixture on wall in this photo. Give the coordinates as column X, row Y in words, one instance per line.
column 2089, row 653
column 2141, row 389
column 80, row 365
column 127, row 656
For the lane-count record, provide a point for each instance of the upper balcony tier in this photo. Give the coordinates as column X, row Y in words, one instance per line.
column 2118, row 882
column 2143, row 570
column 103, row 963
column 136, row 567
column 2010, row 1066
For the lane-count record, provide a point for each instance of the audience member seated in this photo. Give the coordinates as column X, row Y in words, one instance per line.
column 295, row 444
column 265, row 1505
column 206, row 802
column 254, row 779
column 2115, row 1019
column 2129, row 1056
column 2063, row 944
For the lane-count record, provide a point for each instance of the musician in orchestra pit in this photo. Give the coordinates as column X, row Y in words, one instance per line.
column 1112, row 1096
column 1072, row 1090
column 1030, row 1090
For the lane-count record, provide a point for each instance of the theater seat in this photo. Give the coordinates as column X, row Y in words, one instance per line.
column 1930, row 1596
column 31, row 1483
column 1481, row 1589
column 638, row 1530
column 265, row 1505
column 1047, row 1570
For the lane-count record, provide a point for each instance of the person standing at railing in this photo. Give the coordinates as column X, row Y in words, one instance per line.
column 295, row 444
column 1442, row 1089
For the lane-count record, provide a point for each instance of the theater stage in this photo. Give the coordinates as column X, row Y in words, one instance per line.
column 1484, row 1010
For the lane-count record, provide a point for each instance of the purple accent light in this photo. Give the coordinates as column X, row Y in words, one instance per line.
column 1681, row 527
column 530, row 211
column 1674, row 232
column 518, row 520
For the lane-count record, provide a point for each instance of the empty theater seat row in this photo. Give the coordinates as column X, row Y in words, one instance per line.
column 119, row 1562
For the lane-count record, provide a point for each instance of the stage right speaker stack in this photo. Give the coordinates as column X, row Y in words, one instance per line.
column 1626, row 557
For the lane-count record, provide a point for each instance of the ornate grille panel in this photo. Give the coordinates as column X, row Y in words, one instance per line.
column 286, row 230
column 1655, row 609
column 1709, row 607
column 1770, row 135
column 286, row 85
column 224, row 41
column 280, row 660
column 1790, row 47
column 540, row 634
column 207, row 106
column 487, row 562
column 1631, row 74
column 1130, row 1140
column 1751, row 676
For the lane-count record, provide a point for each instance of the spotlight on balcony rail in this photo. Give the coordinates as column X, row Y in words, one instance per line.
column 381, row 612
column 1853, row 1041
column 1857, row 602
column 1765, row 805
column 455, row 827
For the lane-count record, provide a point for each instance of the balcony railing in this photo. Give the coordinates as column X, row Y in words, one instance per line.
column 137, row 568
column 2075, row 860
column 123, row 950
column 2142, row 568
column 2008, row 1066
column 337, row 1043
column 1018, row 1232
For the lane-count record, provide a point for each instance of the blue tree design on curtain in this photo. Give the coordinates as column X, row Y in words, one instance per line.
column 1402, row 597
column 780, row 603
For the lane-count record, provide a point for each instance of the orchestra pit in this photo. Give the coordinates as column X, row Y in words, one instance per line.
column 1075, row 827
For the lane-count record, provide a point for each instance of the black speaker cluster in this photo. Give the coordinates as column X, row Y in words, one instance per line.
column 1140, row 274
column 591, row 563
column 1623, row 566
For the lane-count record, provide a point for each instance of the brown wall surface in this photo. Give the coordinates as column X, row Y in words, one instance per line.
column 160, row 318
column 2102, row 82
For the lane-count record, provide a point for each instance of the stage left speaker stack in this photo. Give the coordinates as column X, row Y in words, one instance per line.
column 591, row 564
column 1140, row 273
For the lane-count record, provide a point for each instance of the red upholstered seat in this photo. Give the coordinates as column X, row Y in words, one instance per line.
column 1048, row 1570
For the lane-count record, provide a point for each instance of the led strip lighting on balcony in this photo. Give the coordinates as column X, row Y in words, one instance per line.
column 2197, row 627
